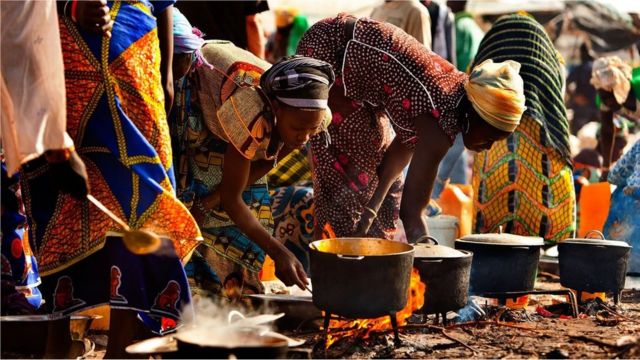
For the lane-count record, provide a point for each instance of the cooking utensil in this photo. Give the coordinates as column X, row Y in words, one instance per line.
column 241, row 344
column 300, row 312
column 445, row 272
column 360, row 277
column 502, row 262
column 140, row 241
column 593, row 265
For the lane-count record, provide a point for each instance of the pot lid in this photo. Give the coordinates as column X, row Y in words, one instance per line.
column 503, row 239
column 604, row 242
column 436, row 251
column 423, row 249
column 591, row 241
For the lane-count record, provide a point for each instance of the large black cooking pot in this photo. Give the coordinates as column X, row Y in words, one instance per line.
column 593, row 265
column 445, row 272
column 501, row 263
column 38, row 335
column 360, row 277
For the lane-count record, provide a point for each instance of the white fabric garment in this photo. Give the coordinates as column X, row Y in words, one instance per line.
column 33, row 113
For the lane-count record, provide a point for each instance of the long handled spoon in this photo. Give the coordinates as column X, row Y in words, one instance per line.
column 139, row 242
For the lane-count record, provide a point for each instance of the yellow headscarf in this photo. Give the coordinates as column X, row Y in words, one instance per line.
column 496, row 92
column 612, row 74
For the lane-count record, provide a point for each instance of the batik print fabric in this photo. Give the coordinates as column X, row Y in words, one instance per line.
column 524, row 183
column 293, row 206
column 19, row 266
column 228, row 262
column 623, row 222
column 385, row 79
column 154, row 284
column 116, row 118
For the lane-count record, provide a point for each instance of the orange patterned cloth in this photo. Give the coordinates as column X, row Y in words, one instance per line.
column 116, row 117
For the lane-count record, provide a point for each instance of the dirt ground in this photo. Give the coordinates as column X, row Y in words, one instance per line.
column 613, row 332
column 610, row 333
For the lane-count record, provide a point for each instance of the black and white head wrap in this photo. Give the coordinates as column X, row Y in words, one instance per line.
column 299, row 81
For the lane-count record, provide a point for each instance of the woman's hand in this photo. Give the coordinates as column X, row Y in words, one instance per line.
column 93, row 15
column 288, row 269
column 366, row 220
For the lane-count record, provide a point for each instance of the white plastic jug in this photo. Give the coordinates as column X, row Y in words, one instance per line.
column 445, row 228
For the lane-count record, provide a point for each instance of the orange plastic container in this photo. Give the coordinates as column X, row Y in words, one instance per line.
column 594, row 207
column 457, row 200
column 268, row 271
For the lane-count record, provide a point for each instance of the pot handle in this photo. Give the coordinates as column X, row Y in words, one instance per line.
column 430, row 261
column 427, row 237
column 520, row 247
column 350, row 257
column 597, row 232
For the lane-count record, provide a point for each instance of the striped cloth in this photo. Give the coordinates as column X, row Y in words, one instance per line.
column 290, row 170
column 521, row 38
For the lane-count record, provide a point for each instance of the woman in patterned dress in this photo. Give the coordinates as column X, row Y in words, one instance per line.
column 525, row 182
column 114, row 70
column 235, row 116
column 386, row 79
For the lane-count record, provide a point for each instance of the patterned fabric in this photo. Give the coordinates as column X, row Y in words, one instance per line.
column 228, row 261
column 626, row 172
column 19, row 266
column 524, row 186
column 623, row 222
column 233, row 109
column 292, row 169
column 116, row 117
column 387, row 79
column 496, row 92
column 154, row 284
column 522, row 39
column 293, row 210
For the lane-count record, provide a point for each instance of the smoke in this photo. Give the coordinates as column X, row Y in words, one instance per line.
column 471, row 312
column 221, row 323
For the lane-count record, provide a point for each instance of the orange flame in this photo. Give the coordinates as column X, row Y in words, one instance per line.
column 364, row 327
column 327, row 232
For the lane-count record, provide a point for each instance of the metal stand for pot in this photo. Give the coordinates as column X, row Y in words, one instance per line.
column 516, row 294
column 616, row 297
column 394, row 324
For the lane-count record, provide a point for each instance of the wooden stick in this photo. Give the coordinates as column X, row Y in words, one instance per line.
column 595, row 341
column 445, row 334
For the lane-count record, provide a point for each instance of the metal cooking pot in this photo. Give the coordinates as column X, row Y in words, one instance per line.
column 244, row 346
column 360, row 277
column 445, row 272
column 593, row 265
column 502, row 263
column 40, row 335
column 181, row 346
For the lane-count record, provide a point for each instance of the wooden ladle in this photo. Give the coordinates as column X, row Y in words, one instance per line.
column 139, row 242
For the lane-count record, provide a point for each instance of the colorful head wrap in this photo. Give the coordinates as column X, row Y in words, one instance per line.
column 613, row 75
column 285, row 15
column 187, row 39
column 496, row 92
column 299, row 81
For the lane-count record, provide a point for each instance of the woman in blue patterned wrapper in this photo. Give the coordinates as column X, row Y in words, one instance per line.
column 623, row 222
column 235, row 116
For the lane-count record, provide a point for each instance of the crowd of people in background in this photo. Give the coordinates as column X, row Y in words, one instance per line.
column 188, row 120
